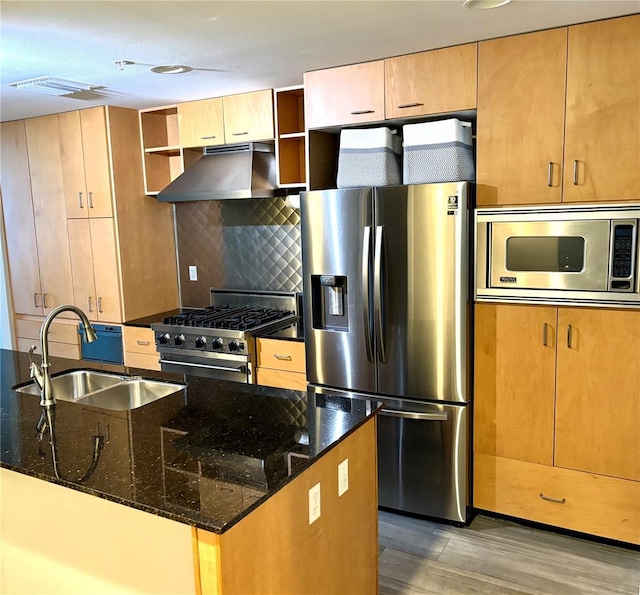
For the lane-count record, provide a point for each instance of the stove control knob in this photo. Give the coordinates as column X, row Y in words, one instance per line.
column 179, row 340
column 164, row 338
column 201, row 342
column 217, row 344
column 233, row 345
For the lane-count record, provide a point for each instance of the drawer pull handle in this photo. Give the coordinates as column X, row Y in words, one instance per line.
column 239, row 133
column 575, row 172
column 363, row 111
column 286, row 358
column 406, row 105
column 550, row 499
column 550, row 175
column 569, row 336
column 544, row 334
column 145, row 343
column 208, row 137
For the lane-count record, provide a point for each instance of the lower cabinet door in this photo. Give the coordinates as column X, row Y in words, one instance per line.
column 595, row 504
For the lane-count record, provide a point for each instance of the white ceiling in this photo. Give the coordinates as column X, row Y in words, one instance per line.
column 236, row 46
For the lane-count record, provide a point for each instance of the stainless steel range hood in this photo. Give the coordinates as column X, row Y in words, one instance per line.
column 231, row 171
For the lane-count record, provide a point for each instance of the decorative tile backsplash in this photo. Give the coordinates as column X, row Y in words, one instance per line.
column 237, row 244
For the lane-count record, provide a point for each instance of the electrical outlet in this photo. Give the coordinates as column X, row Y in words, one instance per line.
column 193, row 273
column 343, row 477
column 314, row 503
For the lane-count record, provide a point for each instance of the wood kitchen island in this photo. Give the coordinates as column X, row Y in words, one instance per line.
column 205, row 491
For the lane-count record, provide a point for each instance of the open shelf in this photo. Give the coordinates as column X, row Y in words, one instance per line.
column 290, row 137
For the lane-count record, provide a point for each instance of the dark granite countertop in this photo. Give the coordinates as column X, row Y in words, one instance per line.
column 205, row 456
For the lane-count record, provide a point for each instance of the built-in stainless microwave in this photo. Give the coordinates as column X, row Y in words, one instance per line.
column 583, row 254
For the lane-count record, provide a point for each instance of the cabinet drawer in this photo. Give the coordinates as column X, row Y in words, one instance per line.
column 59, row 332
column 282, row 379
column 595, row 504
column 67, row 350
column 139, row 340
column 281, row 355
column 142, row 360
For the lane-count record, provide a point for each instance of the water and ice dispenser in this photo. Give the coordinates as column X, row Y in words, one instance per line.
column 329, row 302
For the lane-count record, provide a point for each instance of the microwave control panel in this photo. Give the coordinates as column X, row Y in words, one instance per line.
column 623, row 244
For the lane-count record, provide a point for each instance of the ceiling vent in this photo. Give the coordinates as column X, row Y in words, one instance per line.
column 50, row 85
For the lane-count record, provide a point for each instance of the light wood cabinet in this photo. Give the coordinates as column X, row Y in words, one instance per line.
column 433, row 82
column 520, row 128
column 598, row 392
column 64, row 340
column 19, row 220
column 515, row 359
column 281, row 363
column 557, row 388
column 558, row 115
column 95, row 269
column 345, row 95
column 602, row 146
column 248, row 117
column 45, row 166
column 140, row 348
column 201, row 123
column 85, row 163
column 290, row 137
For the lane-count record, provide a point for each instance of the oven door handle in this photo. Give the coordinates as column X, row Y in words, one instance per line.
column 206, row 366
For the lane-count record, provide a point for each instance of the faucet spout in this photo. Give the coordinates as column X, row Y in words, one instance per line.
column 43, row 380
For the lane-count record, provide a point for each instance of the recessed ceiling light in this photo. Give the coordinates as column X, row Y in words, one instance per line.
column 484, row 4
column 171, row 69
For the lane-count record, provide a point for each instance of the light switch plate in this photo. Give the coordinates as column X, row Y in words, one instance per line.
column 193, row 273
column 314, row 503
column 343, row 477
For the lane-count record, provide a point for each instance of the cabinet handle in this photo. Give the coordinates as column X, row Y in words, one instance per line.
column 208, row 137
column 144, row 343
column 569, row 334
column 550, row 499
column 100, row 305
column 44, row 300
column 89, row 304
column 35, row 300
column 239, row 133
column 282, row 357
column 544, row 334
column 550, row 175
column 80, row 200
column 575, row 172
column 363, row 111
column 406, row 105
column 90, row 200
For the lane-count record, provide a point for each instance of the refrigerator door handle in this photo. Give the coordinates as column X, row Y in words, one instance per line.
column 414, row 415
column 366, row 298
column 378, row 280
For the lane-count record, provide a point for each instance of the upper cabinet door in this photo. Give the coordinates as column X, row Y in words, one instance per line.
column 602, row 153
column 19, row 222
column 248, row 117
column 73, row 178
column 344, row 95
column 86, row 170
column 97, row 166
column 521, row 94
column 431, row 82
column 201, row 123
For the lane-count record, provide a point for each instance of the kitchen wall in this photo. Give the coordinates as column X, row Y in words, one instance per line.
column 237, row 244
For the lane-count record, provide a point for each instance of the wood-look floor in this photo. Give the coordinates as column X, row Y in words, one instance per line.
column 495, row 556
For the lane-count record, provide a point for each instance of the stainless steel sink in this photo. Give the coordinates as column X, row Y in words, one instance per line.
column 131, row 393
column 106, row 391
column 76, row 384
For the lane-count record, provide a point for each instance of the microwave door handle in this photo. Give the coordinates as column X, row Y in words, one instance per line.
column 366, row 298
column 378, row 281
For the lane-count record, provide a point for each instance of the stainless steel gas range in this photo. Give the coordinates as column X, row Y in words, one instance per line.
column 219, row 341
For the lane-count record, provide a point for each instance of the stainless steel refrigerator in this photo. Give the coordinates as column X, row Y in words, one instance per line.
column 387, row 313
